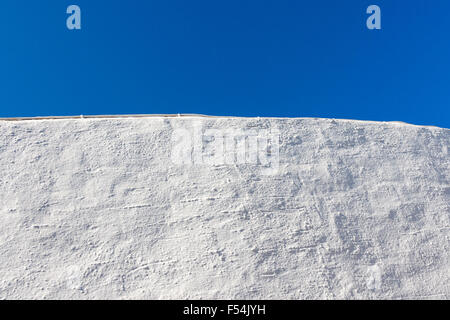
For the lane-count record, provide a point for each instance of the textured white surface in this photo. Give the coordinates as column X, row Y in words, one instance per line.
column 95, row 208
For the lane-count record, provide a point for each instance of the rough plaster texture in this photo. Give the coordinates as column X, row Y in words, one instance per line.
column 97, row 208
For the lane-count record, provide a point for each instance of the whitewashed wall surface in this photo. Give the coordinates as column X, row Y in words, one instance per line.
column 223, row 208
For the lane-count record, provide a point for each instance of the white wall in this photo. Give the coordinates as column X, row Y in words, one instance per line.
column 100, row 208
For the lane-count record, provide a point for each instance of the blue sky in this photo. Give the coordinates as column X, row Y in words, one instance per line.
column 236, row 57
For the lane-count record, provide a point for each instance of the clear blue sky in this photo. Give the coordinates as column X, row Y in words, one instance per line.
column 297, row 58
